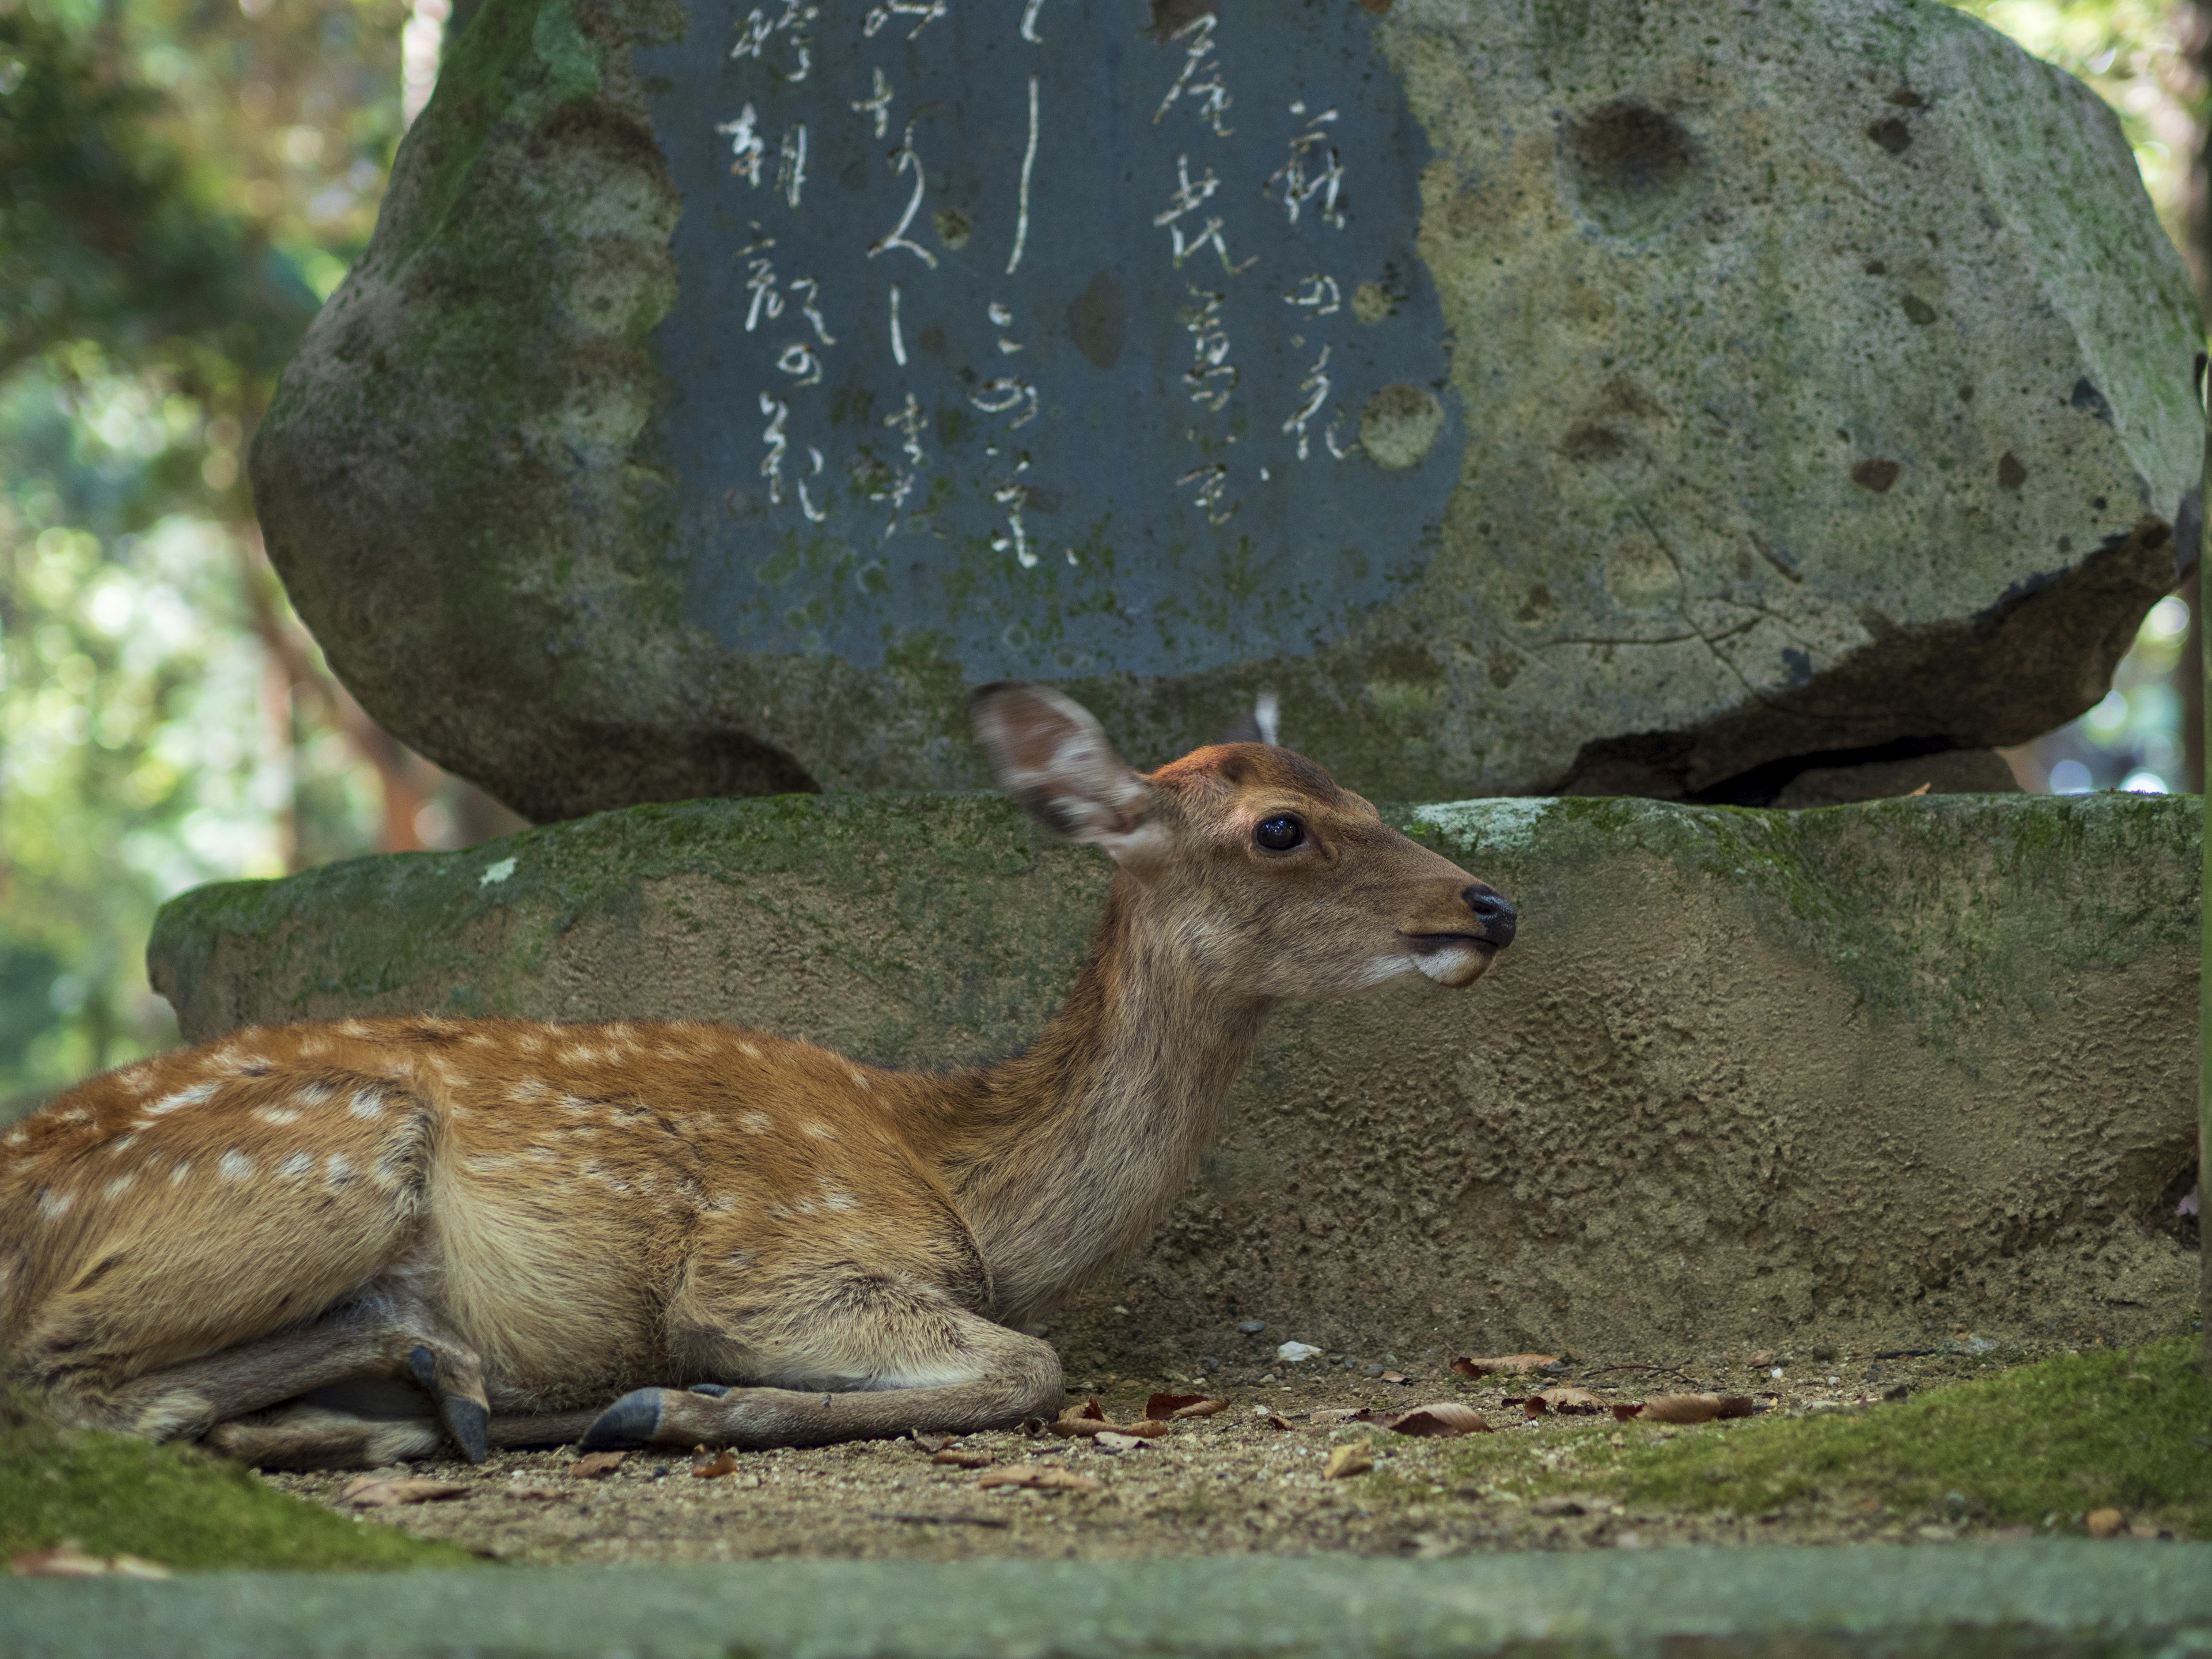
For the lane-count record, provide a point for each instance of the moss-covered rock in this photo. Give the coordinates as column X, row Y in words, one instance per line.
column 1913, row 1062
column 109, row 1494
column 1664, row 393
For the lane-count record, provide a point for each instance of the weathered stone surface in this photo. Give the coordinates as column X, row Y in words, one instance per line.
column 1703, row 389
column 1870, row 1068
column 2056, row 1598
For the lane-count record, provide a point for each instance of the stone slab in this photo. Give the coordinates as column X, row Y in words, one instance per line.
column 1611, row 398
column 2047, row 1598
column 1915, row 1064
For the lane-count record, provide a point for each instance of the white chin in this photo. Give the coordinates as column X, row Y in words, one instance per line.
column 1462, row 965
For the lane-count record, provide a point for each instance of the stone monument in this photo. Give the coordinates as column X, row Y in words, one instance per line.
column 1604, row 397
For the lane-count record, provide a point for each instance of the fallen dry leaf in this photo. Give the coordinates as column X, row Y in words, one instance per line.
column 1357, row 1458
column 1762, row 1359
column 1162, row 1407
column 962, row 1457
column 713, row 1468
column 1533, row 1404
column 2104, row 1523
column 1511, row 1362
column 1036, row 1477
column 1395, row 1377
column 1444, row 1420
column 1696, row 1407
column 1108, row 1440
column 593, row 1465
column 931, row 1442
column 1146, row 1428
column 369, row 1493
column 1277, row 1420
column 1080, row 1422
column 67, row 1563
column 1921, row 790
column 1572, row 1401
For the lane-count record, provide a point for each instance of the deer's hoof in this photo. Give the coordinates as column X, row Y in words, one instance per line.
column 629, row 1422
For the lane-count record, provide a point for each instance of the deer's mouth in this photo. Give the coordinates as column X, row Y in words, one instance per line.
column 1453, row 959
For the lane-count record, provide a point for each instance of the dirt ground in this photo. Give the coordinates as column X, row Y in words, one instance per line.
column 1224, row 1484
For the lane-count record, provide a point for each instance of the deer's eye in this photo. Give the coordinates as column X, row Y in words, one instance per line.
column 1280, row 833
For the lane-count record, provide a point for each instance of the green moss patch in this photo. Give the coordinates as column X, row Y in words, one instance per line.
column 109, row 1494
column 2037, row 1445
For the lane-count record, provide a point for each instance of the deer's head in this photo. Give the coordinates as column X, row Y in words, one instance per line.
column 1266, row 878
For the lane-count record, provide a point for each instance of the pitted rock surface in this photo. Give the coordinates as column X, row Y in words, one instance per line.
column 1611, row 398
column 1925, row 1065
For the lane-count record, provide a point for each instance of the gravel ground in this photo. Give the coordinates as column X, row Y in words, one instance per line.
column 1228, row 1483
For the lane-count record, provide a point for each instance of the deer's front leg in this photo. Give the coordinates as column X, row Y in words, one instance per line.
column 938, row 1367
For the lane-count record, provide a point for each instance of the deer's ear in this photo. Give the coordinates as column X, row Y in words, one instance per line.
column 1052, row 755
column 1262, row 724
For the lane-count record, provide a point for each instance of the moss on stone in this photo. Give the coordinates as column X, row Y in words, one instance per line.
column 2036, row 1444
column 109, row 1494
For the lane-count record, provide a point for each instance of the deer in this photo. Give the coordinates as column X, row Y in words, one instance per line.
column 347, row 1244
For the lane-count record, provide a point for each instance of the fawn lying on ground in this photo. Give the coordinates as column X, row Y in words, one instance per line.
column 302, row 1242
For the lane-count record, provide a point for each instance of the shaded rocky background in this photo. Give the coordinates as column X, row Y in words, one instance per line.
column 1896, row 1068
column 1712, row 397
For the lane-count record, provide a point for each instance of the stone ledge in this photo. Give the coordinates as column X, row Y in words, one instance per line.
column 2050, row 1599
column 1906, row 1065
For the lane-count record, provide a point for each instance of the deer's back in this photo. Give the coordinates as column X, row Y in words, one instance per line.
column 550, row 1188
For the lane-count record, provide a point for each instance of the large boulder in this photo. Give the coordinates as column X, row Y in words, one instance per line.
column 1622, row 397
column 1849, row 1073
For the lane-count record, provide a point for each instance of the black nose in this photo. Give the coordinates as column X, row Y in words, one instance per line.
column 1497, row 915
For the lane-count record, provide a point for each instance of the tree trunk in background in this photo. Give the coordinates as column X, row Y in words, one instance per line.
column 2193, row 28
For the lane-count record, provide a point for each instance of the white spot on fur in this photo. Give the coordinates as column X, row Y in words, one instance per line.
column 277, row 1114
column 337, row 1170
column 234, row 1165
column 17, row 1137
column 298, row 1164
column 119, row 1146
column 368, row 1103
column 722, row 1203
column 580, row 1055
column 747, row 1049
column 837, row 1198
column 821, row 1132
column 314, row 1045
column 183, row 1168
column 140, row 1079
column 860, row 1077
column 755, row 1123
column 353, row 1028
column 525, row 1090
column 314, row 1093
column 530, row 1041
column 569, row 1103
column 543, row 1155
column 182, row 1097
column 54, row 1205
column 117, row 1187
column 486, row 1162
column 76, row 1114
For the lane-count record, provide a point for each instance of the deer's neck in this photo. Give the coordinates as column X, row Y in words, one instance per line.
column 1064, row 1157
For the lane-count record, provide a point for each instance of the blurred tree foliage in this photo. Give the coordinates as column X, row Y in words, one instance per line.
column 181, row 182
